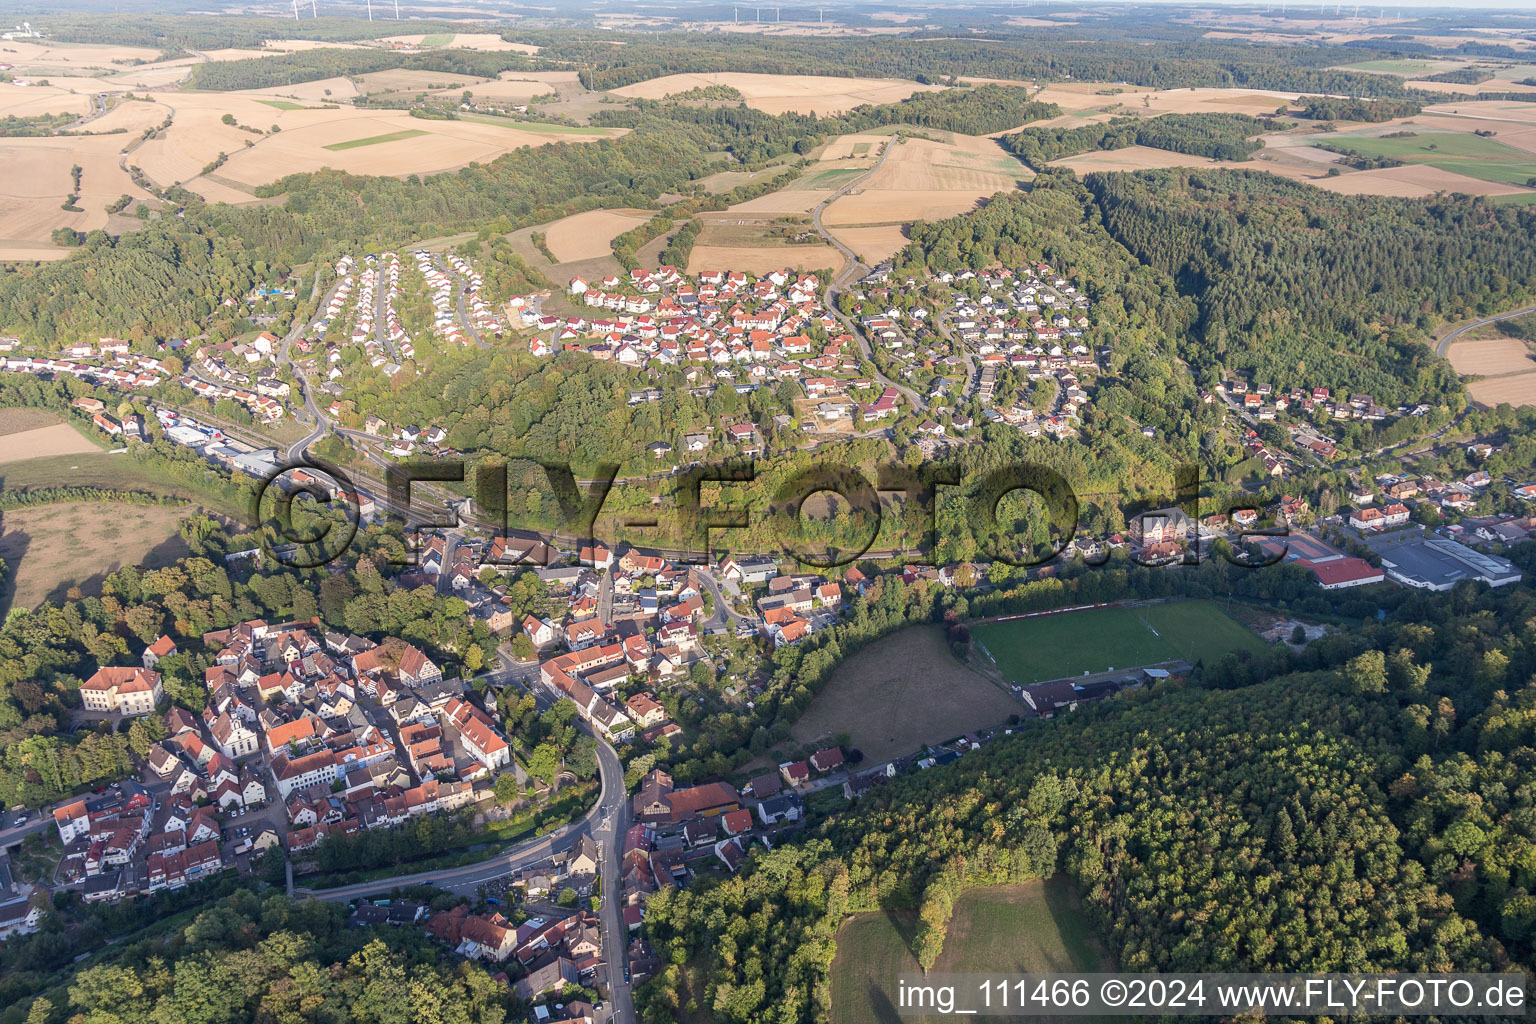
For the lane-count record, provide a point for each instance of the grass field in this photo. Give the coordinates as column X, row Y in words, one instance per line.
column 1016, row 929
column 373, row 140
column 1460, row 153
column 872, row 698
column 1397, row 67
column 1057, row 646
column 97, row 468
column 437, row 39
column 284, row 104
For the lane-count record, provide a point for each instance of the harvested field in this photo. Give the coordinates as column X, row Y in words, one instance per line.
column 32, row 100
column 872, row 244
column 1412, row 181
column 1132, row 158
column 590, row 235
column 785, row 201
column 72, row 58
column 1461, row 153
column 929, row 180
column 780, row 94
column 872, row 699
column 39, row 442
column 54, row 547
column 1084, row 98
column 464, row 41
column 402, row 80
column 517, row 87
column 35, row 181
column 15, row 419
column 1490, row 358
column 324, row 90
column 761, row 260
column 305, row 146
column 1517, row 389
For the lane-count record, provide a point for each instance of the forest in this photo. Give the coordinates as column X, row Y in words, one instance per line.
column 1163, row 65
column 1367, row 807
column 1218, row 136
column 312, row 65
column 752, row 135
column 259, row 955
column 1314, row 289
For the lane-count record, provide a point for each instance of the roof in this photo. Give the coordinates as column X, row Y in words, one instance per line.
column 123, row 679
column 1336, row 571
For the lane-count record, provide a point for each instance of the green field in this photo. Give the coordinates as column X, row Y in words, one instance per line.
column 860, row 148
column 373, row 140
column 437, row 39
column 833, row 178
column 284, row 104
column 1016, row 929
column 1468, row 154
column 541, row 127
column 1057, row 646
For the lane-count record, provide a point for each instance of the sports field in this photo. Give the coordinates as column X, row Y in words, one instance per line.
column 1104, row 639
column 1034, row 928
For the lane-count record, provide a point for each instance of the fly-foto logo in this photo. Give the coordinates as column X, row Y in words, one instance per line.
column 1170, row 533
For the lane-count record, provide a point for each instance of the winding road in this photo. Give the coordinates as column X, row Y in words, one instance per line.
column 1445, row 343
column 606, row 823
column 838, row 283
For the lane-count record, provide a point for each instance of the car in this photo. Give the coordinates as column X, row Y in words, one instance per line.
column 19, row 821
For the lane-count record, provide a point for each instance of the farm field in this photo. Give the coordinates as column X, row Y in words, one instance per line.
column 1132, row 158
column 781, row 94
column 54, row 547
column 1491, row 357
column 1036, row 927
column 590, row 235
column 462, row 40
column 35, row 181
column 31, row 100
column 873, row 699
column 514, row 87
column 928, row 180
column 1060, row 646
column 873, row 244
column 1517, row 389
column 1463, row 154
column 1412, row 181
column 42, row 441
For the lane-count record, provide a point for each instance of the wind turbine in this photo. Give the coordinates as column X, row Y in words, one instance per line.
column 295, row 10
column 397, row 10
column 313, row 11
column 370, row 10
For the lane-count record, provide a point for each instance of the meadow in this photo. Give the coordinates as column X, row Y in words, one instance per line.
column 908, row 693
column 1035, row 927
column 1457, row 152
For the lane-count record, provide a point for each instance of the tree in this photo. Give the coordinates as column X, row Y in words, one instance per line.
column 1299, row 635
column 522, row 647
column 567, row 897
column 506, row 787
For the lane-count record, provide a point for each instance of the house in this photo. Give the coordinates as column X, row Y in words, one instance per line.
column 1339, row 573
column 126, row 691
column 162, row 648
column 828, row 759
column 540, row 631
column 659, row 801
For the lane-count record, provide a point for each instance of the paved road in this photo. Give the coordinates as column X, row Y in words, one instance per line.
column 853, row 266
column 606, row 822
column 1445, row 342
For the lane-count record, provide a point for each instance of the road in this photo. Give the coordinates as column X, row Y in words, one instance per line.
column 606, row 822
column 853, row 266
column 1445, row 343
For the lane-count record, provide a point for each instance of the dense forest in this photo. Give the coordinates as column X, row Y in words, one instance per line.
column 1306, row 288
column 1218, row 136
column 752, row 135
column 1021, row 58
column 1338, row 108
column 1369, row 810
column 312, row 65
